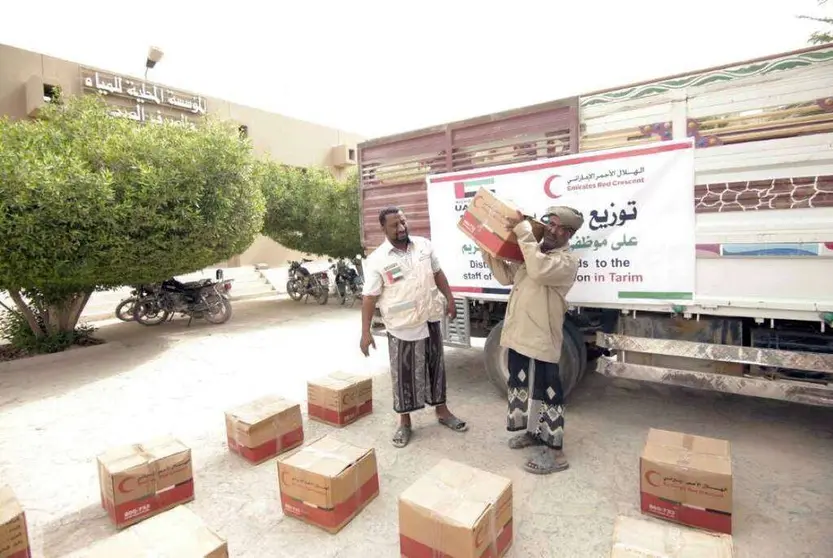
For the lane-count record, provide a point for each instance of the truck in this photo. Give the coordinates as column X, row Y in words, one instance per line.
column 759, row 319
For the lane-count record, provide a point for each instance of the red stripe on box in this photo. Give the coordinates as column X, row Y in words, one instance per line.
column 409, row 548
column 489, row 240
column 134, row 511
column 345, row 417
column 25, row 553
column 338, row 516
column 563, row 162
column 270, row 449
column 712, row 520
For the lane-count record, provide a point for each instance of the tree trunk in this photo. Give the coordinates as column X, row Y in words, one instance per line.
column 78, row 307
column 57, row 317
column 27, row 313
column 63, row 316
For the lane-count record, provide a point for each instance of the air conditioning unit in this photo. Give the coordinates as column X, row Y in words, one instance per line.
column 38, row 93
column 344, row 156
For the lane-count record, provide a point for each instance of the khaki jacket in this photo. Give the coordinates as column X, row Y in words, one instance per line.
column 534, row 320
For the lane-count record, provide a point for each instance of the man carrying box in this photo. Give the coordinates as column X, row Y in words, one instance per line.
column 404, row 275
column 533, row 333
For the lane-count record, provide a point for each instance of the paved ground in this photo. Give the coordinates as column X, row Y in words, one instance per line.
column 55, row 417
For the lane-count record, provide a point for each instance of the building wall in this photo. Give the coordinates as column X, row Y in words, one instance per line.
column 285, row 139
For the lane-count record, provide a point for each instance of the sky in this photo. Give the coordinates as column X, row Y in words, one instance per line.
column 381, row 67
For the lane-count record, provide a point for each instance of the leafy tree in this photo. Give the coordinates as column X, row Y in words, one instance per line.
column 89, row 201
column 311, row 211
column 821, row 37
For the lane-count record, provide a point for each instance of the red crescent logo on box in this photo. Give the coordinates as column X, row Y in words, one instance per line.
column 548, row 187
column 649, row 480
column 121, row 486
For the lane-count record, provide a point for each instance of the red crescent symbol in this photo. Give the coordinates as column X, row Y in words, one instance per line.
column 548, row 184
column 122, row 488
column 648, row 475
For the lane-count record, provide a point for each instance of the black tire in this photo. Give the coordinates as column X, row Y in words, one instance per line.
column 159, row 317
column 292, row 290
column 125, row 310
column 219, row 318
column 323, row 295
column 578, row 338
column 497, row 366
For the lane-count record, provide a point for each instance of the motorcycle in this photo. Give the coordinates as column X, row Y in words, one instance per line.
column 348, row 281
column 206, row 298
column 304, row 283
column 125, row 308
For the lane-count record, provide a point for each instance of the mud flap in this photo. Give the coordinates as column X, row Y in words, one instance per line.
column 457, row 332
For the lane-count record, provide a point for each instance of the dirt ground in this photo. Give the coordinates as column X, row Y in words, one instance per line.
column 58, row 412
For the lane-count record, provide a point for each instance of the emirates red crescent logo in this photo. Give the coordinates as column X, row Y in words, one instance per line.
column 649, row 478
column 121, row 486
column 548, row 187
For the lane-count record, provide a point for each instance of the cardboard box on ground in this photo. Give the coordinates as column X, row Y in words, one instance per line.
column 177, row 532
column 687, row 479
column 14, row 533
column 485, row 223
column 458, row 511
column 141, row 480
column 339, row 398
column 328, row 482
column 264, row 428
column 647, row 538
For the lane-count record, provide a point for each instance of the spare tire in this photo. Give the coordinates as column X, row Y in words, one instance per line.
column 497, row 367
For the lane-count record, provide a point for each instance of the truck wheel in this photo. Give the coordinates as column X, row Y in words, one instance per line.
column 578, row 338
column 497, row 367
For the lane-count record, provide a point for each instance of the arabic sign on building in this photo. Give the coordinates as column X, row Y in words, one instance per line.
column 142, row 101
column 637, row 242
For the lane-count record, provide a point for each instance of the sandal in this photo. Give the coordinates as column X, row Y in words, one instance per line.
column 524, row 440
column 402, row 436
column 453, row 423
column 546, row 462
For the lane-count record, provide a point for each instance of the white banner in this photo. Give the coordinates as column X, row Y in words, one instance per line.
column 637, row 242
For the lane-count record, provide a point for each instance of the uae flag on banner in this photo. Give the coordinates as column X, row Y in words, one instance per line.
column 467, row 189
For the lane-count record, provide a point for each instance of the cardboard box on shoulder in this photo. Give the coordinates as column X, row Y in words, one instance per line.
column 14, row 533
column 687, row 479
column 177, row 532
column 142, row 480
column 339, row 398
column 328, row 482
column 485, row 223
column 641, row 538
column 264, row 428
column 457, row 511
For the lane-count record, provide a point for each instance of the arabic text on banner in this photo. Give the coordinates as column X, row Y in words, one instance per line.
column 637, row 242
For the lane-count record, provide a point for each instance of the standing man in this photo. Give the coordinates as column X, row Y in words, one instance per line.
column 533, row 333
column 403, row 275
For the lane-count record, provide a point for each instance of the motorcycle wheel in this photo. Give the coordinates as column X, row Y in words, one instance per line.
column 218, row 312
column 124, row 311
column 322, row 296
column 292, row 290
column 149, row 313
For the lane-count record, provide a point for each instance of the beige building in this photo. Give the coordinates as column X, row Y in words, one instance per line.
column 27, row 79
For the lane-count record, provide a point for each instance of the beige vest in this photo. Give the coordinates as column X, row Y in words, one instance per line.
column 408, row 295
